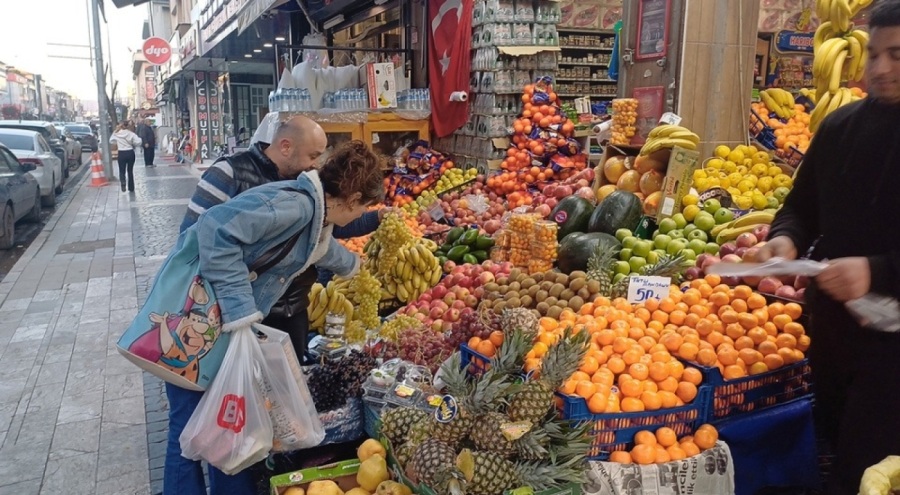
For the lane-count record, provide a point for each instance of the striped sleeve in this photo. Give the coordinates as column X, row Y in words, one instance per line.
column 216, row 186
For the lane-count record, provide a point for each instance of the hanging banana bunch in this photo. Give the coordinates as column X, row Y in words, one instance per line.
column 779, row 101
column 840, row 52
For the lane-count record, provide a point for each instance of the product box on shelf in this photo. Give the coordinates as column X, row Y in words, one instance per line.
column 609, row 16
column 711, row 471
column 679, row 176
column 382, row 85
column 586, row 15
column 567, row 13
column 343, row 473
column 614, row 151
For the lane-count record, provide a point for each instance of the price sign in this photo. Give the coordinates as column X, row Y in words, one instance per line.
column 641, row 289
column 670, row 118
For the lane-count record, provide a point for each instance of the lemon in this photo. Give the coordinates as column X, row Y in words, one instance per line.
column 746, row 150
column 759, row 169
column 700, row 174
column 760, row 202
column 761, row 157
column 702, row 185
column 773, row 171
column 764, row 184
column 743, row 202
column 715, row 163
column 722, row 151
column 690, row 211
column 730, row 167
column 724, row 182
column 744, row 186
column 690, row 199
column 713, row 181
column 782, row 180
column 736, row 156
column 734, row 191
column 743, row 170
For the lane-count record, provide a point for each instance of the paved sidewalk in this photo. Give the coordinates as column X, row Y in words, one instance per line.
column 73, row 417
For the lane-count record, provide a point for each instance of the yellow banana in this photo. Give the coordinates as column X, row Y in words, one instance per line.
column 402, row 293
column 830, row 50
column 834, row 82
column 823, row 32
column 855, row 58
column 412, row 255
column 769, row 101
column 435, row 276
column 818, row 113
column 835, row 103
column 823, row 10
column 863, row 38
column 659, row 130
column 733, row 233
column 348, row 309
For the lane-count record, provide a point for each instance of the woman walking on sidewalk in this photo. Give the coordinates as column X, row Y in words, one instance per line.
column 125, row 141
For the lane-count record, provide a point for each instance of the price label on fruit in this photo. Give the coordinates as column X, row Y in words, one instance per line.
column 641, row 289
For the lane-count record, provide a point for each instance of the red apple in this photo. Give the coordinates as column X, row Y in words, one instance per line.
column 769, row 285
column 437, row 325
column 707, row 262
column 450, row 298
column 732, row 281
column 787, row 292
column 486, row 277
column 420, row 317
column 552, row 202
column 478, row 292
column 801, row 282
column 439, row 291
column 739, row 252
column 426, row 297
column 693, row 273
column 762, row 231
column 800, row 295
column 746, row 240
column 452, row 315
column 727, row 248
column 447, row 326
column 449, row 266
column 731, row 258
column 471, row 300
column 458, row 305
column 435, row 313
column 461, row 292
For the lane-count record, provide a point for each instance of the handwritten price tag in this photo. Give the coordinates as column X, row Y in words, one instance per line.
column 669, row 118
column 641, row 289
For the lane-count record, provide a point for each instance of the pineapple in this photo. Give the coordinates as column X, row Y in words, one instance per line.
column 454, row 377
column 521, row 319
column 667, row 266
column 488, row 434
column 489, row 475
column 535, row 397
column 600, row 265
column 396, row 423
column 429, row 460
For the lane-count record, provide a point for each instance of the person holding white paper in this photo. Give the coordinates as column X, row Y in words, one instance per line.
column 844, row 205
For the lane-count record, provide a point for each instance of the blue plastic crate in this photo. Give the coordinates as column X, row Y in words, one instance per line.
column 615, row 431
column 371, row 420
column 475, row 363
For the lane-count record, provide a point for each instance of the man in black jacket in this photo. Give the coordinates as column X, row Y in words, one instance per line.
column 148, row 138
column 844, row 204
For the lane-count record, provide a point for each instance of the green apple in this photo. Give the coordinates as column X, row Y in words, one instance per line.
column 780, row 193
column 619, row 276
column 653, row 257
column 677, row 234
column 623, row 267
column 667, row 225
column 711, row 206
column 680, row 221
column 637, row 263
column 705, row 221
column 689, row 254
column 625, row 254
column 698, row 235
column 688, row 229
column 697, row 246
column 676, row 246
column 629, row 241
column 661, row 241
column 712, row 248
column 621, row 234
column 723, row 215
column 772, row 202
column 642, row 248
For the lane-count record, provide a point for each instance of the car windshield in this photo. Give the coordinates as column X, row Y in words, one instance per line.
column 17, row 142
column 78, row 129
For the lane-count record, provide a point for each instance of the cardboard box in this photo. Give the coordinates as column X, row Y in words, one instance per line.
column 343, row 473
column 611, row 151
column 609, row 16
column 382, row 85
column 679, row 177
column 587, row 15
column 567, row 13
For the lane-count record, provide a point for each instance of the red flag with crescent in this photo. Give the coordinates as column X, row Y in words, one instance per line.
column 449, row 61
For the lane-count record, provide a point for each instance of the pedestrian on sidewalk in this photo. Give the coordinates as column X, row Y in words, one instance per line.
column 855, row 367
column 148, row 136
column 126, row 142
column 248, row 227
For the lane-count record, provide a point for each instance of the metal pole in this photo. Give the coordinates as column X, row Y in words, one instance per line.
column 101, row 91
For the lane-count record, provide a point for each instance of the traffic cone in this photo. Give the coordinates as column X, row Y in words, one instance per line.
column 98, row 178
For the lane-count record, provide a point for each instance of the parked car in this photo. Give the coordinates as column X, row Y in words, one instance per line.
column 73, row 147
column 37, row 159
column 84, row 135
column 19, row 197
column 47, row 131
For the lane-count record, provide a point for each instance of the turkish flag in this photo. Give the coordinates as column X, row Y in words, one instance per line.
column 449, row 61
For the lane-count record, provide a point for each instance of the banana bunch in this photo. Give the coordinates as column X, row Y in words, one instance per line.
column 840, row 12
column 669, row 136
column 829, row 103
column 810, row 94
column 416, row 271
column 779, row 101
column 882, row 478
column 327, row 299
column 731, row 230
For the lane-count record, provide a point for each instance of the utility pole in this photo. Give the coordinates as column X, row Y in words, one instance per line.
column 40, row 99
column 101, row 91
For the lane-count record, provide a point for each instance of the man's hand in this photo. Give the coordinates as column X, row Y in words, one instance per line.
column 846, row 279
column 781, row 247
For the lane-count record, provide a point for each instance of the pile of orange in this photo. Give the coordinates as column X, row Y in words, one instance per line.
column 487, row 347
column 626, row 368
column 795, row 132
column 664, row 446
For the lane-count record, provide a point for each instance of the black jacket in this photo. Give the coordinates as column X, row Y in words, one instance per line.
column 147, row 134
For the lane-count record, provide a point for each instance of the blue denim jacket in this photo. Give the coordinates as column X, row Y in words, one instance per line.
column 236, row 233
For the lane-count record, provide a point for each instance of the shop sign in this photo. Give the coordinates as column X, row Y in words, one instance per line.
column 156, row 50
column 216, row 22
column 793, row 41
column 209, row 105
column 189, row 45
column 150, row 83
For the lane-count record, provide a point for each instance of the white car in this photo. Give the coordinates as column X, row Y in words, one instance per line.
column 37, row 159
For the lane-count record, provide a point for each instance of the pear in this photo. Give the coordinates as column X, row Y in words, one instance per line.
column 372, row 471
column 392, row 488
column 368, row 448
column 324, row 487
column 357, row 491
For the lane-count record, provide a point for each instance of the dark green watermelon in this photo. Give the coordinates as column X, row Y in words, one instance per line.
column 572, row 214
column 576, row 248
column 619, row 210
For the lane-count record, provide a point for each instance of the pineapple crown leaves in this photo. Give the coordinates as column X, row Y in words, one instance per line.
column 603, row 257
column 490, row 391
column 511, row 356
column 667, row 266
column 564, row 357
column 454, row 376
column 541, row 475
column 568, row 441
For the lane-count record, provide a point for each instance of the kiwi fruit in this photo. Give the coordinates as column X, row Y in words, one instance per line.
column 514, row 273
column 542, row 308
column 554, row 312
column 533, row 290
column 502, row 281
column 576, row 303
column 551, row 300
column 503, row 290
column 562, row 304
column 546, row 284
column 538, row 277
column 541, row 296
column 515, row 286
column 566, row 294
column 584, row 294
column 577, row 274
column 510, row 294
column 562, row 278
column 557, row 289
column 593, row 286
column 514, row 302
column 499, row 306
column 528, row 283
column 527, row 301
column 577, row 284
column 491, row 287
column 488, row 303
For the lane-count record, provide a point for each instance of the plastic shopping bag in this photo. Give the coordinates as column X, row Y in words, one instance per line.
column 295, row 420
column 231, row 428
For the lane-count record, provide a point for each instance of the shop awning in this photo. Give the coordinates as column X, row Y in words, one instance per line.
column 127, row 3
column 252, row 12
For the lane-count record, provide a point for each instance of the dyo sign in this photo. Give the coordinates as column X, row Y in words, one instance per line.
column 156, row 50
